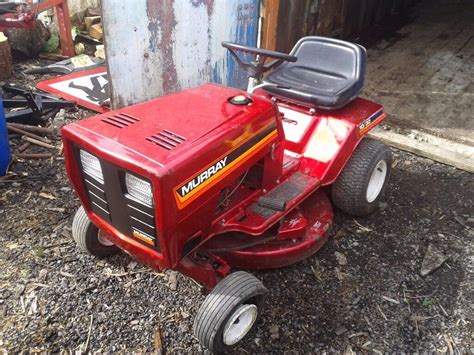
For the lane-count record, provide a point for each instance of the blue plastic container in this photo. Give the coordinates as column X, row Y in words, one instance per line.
column 5, row 154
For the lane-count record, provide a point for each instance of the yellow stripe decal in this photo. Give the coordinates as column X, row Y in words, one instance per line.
column 199, row 183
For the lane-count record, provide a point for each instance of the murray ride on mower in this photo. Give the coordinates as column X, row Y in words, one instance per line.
column 213, row 179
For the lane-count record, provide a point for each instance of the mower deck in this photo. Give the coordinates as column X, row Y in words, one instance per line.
column 300, row 234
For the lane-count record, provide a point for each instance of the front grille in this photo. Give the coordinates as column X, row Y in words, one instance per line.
column 142, row 219
column 96, row 193
column 110, row 201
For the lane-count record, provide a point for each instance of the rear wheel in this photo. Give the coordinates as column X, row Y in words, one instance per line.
column 89, row 238
column 363, row 181
column 229, row 312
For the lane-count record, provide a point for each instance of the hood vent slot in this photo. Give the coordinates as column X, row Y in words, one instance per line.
column 166, row 139
column 120, row 120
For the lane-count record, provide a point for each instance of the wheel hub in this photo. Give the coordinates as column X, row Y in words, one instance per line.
column 376, row 181
column 102, row 238
column 240, row 324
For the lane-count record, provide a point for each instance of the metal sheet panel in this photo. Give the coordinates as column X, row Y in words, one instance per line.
column 156, row 47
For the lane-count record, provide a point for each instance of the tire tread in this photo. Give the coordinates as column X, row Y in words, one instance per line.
column 236, row 288
column 349, row 190
column 84, row 233
column 80, row 225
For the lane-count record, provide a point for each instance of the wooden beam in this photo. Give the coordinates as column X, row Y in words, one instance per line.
column 441, row 152
column 270, row 24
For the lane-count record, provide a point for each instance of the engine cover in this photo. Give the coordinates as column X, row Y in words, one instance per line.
column 189, row 145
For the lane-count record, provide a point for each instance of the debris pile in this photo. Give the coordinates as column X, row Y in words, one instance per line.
column 33, row 117
column 32, row 106
column 40, row 137
column 33, row 121
column 88, row 33
column 28, row 43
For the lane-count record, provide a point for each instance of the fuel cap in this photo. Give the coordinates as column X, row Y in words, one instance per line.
column 240, row 100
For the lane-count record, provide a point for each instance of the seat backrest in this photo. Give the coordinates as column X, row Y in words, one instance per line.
column 332, row 56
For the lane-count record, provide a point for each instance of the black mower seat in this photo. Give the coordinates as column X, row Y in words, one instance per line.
column 328, row 74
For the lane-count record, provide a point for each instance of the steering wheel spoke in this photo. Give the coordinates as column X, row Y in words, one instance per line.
column 258, row 67
column 272, row 65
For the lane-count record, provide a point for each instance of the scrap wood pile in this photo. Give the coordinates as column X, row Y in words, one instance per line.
column 40, row 141
column 43, row 39
column 88, row 22
column 34, row 142
column 88, row 32
column 33, row 122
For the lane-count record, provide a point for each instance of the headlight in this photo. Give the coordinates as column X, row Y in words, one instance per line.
column 139, row 189
column 91, row 166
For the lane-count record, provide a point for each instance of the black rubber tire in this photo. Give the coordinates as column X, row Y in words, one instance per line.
column 85, row 234
column 236, row 289
column 350, row 189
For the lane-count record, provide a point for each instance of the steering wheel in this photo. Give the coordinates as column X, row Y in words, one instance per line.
column 258, row 67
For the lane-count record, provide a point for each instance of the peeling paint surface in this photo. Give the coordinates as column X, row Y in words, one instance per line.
column 157, row 47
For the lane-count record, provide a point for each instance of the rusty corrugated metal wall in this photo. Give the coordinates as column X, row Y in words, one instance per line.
column 156, row 47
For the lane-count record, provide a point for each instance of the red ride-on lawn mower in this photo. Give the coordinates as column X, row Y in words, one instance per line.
column 213, row 179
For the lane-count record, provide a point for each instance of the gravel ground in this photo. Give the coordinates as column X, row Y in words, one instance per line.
column 362, row 291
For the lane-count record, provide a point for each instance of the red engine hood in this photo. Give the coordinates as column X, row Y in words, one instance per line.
column 163, row 128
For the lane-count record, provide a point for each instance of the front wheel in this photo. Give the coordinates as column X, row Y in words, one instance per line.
column 89, row 238
column 363, row 181
column 229, row 312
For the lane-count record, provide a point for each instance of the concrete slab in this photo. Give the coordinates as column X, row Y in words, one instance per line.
column 424, row 75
